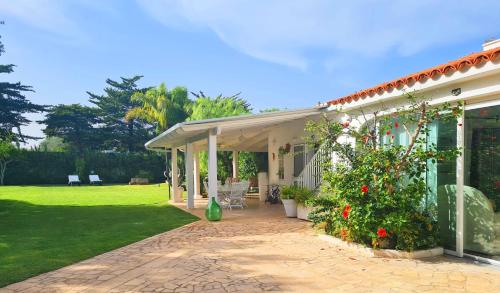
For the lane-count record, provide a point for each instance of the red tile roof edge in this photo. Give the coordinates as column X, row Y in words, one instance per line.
column 447, row 68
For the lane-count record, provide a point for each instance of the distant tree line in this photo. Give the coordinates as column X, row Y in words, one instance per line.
column 119, row 120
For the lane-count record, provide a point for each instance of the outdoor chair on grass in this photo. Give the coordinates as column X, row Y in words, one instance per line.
column 74, row 179
column 94, row 179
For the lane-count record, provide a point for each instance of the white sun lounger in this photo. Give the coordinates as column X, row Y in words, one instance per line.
column 73, row 179
column 94, row 179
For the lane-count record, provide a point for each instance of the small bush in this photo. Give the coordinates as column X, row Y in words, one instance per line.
column 304, row 196
column 288, row 192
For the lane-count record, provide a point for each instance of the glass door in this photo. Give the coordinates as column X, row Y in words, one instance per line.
column 481, row 191
column 441, row 182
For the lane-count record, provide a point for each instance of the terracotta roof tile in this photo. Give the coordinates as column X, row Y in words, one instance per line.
column 447, row 68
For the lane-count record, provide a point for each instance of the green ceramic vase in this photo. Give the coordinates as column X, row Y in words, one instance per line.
column 213, row 211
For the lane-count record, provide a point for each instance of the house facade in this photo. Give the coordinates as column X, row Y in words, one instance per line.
column 466, row 192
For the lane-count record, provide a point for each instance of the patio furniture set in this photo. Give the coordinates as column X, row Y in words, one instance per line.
column 231, row 194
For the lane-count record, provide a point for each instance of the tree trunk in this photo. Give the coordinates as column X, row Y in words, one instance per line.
column 3, row 167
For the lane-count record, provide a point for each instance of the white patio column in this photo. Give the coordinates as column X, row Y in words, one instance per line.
column 236, row 172
column 212, row 164
column 175, row 177
column 196, row 157
column 189, row 175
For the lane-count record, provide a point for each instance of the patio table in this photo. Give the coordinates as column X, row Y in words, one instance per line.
column 224, row 193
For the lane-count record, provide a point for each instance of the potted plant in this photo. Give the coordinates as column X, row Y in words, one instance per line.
column 288, row 194
column 303, row 198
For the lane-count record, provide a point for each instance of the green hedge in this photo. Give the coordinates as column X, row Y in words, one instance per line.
column 38, row 167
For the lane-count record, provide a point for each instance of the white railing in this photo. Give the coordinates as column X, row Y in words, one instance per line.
column 311, row 175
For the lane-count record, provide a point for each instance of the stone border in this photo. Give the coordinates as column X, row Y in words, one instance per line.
column 387, row 253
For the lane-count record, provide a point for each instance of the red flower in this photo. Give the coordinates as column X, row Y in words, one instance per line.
column 345, row 124
column 388, row 132
column 364, row 189
column 396, row 124
column 497, row 184
column 382, row 233
column 346, row 211
column 459, row 124
column 392, row 137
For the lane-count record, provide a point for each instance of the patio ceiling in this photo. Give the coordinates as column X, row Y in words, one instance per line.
column 237, row 133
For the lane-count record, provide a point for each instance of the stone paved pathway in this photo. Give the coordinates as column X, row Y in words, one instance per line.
column 254, row 251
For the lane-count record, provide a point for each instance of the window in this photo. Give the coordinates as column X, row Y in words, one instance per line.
column 302, row 154
column 281, row 166
column 298, row 159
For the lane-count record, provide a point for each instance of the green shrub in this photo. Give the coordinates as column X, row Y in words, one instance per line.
column 304, row 196
column 289, row 192
column 80, row 167
column 145, row 174
column 376, row 191
column 39, row 167
column 300, row 194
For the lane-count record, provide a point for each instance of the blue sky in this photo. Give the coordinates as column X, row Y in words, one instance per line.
column 285, row 54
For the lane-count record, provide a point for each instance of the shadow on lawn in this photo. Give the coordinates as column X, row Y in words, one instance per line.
column 41, row 238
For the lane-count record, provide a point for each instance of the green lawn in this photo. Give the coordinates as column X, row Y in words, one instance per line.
column 43, row 228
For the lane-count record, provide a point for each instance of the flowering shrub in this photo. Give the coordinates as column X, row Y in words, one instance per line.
column 374, row 193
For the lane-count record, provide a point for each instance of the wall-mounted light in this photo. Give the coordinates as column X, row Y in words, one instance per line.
column 456, row 92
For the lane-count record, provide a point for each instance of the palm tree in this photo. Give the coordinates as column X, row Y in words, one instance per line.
column 161, row 107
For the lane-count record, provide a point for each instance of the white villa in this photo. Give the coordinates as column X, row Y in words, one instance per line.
column 467, row 192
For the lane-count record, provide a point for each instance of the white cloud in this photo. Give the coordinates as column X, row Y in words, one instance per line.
column 58, row 17
column 285, row 31
column 46, row 15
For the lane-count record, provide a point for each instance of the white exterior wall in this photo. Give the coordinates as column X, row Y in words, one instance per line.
column 292, row 133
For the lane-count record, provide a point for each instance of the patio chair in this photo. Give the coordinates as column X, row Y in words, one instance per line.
column 223, row 192
column 245, row 185
column 236, row 196
column 94, row 179
column 74, row 179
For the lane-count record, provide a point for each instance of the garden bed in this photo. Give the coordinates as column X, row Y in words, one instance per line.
column 386, row 253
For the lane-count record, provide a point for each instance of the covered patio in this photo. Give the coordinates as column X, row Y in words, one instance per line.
column 265, row 132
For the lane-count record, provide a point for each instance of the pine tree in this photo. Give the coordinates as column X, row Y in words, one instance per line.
column 76, row 125
column 123, row 135
column 13, row 106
